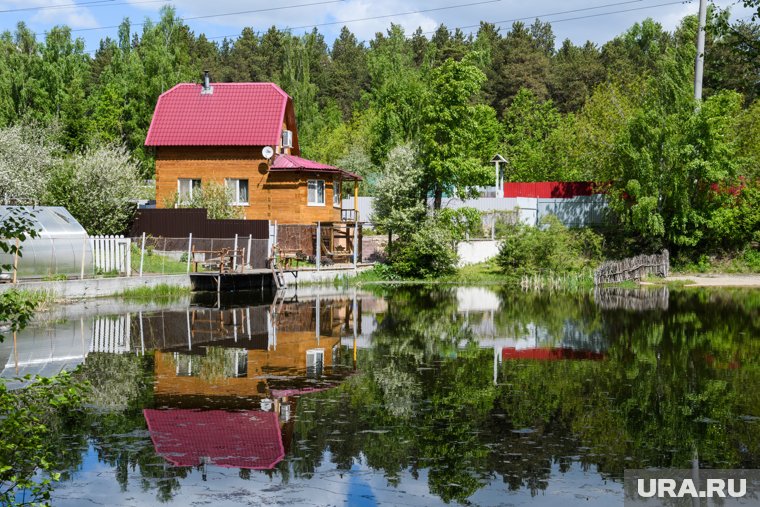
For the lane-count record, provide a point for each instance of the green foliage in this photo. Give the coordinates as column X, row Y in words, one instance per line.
column 528, row 125
column 549, row 248
column 27, row 454
column 96, row 187
column 160, row 292
column 426, row 253
column 457, row 138
column 461, row 222
column 216, row 198
column 399, row 206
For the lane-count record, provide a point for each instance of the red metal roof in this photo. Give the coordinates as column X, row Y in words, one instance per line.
column 235, row 114
column 292, row 163
column 245, row 439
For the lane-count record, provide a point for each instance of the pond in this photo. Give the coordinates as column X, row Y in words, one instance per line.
column 414, row 395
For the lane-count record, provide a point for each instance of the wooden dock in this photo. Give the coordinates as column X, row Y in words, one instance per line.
column 249, row 280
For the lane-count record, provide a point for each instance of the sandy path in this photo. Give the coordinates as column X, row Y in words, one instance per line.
column 718, row 280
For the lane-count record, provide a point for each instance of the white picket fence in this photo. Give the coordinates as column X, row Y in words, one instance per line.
column 112, row 253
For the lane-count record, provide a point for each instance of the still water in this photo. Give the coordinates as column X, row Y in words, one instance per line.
column 400, row 396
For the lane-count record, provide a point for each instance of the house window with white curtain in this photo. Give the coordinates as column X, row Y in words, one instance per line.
column 316, row 193
column 185, row 189
column 239, row 191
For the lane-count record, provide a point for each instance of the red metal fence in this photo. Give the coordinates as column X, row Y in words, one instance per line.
column 549, row 189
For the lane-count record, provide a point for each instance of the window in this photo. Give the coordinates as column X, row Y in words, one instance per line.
column 316, row 193
column 336, row 194
column 186, row 187
column 315, row 359
column 239, row 190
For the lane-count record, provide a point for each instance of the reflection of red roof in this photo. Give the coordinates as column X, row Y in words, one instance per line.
column 549, row 354
column 235, row 114
column 245, row 439
column 292, row 163
column 281, row 393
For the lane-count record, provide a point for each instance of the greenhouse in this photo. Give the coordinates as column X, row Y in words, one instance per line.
column 60, row 249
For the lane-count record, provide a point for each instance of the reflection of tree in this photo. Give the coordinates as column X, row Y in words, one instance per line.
column 668, row 384
column 670, row 381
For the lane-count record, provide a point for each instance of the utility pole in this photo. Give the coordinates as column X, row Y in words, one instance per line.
column 700, row 61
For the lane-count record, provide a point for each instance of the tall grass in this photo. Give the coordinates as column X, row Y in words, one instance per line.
column 159, row 292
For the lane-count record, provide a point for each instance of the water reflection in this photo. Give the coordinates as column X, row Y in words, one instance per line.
column 411, row 395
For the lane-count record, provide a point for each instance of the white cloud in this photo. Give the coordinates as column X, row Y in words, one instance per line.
column 74, row 17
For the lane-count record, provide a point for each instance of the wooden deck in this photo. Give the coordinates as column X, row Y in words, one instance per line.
column 250, row 280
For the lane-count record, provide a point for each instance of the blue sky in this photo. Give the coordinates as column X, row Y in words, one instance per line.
column 595, row 20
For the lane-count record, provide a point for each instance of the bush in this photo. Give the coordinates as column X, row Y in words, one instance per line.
column 551, row 247
column 427, row 253
column 462, row 222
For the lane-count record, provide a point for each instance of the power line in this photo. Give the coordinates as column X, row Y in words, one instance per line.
column 683, row 2
column 60, row 6
column 550, row 14
column 267, row 9
column 90, row 5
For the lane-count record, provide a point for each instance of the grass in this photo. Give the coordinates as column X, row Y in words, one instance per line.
column 154, row 263
column 159, row 292
column 747, row 261
column 484, row 273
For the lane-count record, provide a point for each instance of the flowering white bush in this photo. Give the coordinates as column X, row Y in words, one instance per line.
column 96, row 187
column 28, row 157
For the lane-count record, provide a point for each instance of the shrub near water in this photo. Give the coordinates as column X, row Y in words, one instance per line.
column 550, row 247
column 427, row 253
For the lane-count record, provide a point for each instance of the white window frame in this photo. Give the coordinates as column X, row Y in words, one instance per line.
column 236, row 191
column 192, row 188
column 317, row 357
column 317, row 184
column 337, row 201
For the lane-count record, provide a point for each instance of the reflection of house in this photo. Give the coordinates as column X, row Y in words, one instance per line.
column 244, row 351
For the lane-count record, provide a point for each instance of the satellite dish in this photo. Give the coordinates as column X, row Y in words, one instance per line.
column 267, row 151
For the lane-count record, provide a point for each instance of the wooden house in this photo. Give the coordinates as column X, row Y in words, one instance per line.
column 243, row 135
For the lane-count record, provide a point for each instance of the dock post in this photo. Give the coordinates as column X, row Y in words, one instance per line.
column 235, row 256
column 248, row 253
column 142, row 254
column 356, row 242
column 189, row 250
column 319, row 245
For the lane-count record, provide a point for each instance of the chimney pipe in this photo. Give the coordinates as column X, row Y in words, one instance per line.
column 206, row 83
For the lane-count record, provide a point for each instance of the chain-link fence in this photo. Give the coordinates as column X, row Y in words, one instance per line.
column 152, row 255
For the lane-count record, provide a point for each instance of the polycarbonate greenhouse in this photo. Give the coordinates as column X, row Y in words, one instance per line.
column 61, row 248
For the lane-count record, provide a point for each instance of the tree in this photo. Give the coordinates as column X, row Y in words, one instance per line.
column 97, row 186
column 457, row 138
column 521, row 61
column 574, row 73
column 399, row 205
column 216, row 198
column 528, row 124
column 348, row 75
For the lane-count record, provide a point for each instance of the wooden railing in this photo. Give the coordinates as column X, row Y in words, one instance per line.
column 633, row 268
column 349, row 215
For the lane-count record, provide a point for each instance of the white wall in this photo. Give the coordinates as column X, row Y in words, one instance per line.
column 475, row 251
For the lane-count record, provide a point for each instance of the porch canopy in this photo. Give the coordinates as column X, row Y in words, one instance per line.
column 293, row 163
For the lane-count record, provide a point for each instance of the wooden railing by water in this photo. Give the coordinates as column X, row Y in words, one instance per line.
column 633, row 268
column 637, row 300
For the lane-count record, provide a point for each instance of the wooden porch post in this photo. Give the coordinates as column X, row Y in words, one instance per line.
column 356, row 199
